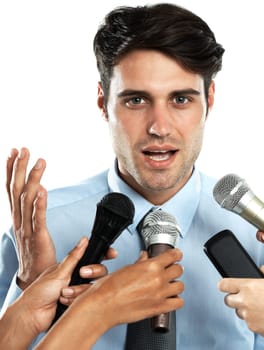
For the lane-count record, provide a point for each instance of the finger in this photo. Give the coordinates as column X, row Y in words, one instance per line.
column 9, row 172
column 29, row 195
column 17, row 184
column 168, row 257
column 43, row 243
column 143, row 256
column 74, row 291
column 262, row 268
column 229, row 285
column 173, row 272
column 260, row 236
column 174, row 289
column 66, row 301
column 233, row 300
column 241, row 313
column 170, row 304
column 70, row 261
column 93, row 271
column 39, row 211
column 110, row 254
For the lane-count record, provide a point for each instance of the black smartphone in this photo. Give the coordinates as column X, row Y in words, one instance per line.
column 229, row 256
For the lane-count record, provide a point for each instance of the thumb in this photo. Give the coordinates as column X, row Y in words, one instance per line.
column 68, row 264
column 260, row 236
column 262, row 268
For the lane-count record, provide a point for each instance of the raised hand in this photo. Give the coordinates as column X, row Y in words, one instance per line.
column 28, row 202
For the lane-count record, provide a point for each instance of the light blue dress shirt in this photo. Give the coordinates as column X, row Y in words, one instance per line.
column 204, row 323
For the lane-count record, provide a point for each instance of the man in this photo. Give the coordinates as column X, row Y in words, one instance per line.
column 157, row 66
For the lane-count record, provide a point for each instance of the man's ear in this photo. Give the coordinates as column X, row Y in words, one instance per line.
column 101, row 101
column 211, row 94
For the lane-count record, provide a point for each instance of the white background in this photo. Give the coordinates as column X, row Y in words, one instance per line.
column 48, row 85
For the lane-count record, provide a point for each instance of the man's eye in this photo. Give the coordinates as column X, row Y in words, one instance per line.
column 181, row 99
column 136, row 100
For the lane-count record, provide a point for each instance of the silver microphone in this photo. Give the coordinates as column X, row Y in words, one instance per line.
column 233, row 193
column 160, row 232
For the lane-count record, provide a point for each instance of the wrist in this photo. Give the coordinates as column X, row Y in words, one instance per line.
column 26, row 317
column 17, row 331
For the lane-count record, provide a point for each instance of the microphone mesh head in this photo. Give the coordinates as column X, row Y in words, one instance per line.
column 157, row 223
column 114, row 213
column 118, row 204
column 229, row 190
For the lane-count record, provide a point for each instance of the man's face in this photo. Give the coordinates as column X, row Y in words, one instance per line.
column 156, row 113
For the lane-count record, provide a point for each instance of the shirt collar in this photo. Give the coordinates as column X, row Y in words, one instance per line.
column 182, row 205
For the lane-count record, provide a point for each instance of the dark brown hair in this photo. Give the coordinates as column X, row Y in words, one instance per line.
column 168, row 28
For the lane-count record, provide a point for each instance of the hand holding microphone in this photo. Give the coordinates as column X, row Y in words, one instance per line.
column 114, row 213
column 225, row 251
column 160, row 232
column 243, row 294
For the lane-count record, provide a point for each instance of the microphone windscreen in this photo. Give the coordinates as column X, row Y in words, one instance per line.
column 229, row 190
column 160, row 227
column 114, row 213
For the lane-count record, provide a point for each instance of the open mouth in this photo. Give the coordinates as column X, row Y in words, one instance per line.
column 159, row 155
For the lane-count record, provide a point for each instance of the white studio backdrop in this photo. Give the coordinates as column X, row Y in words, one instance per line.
column 48, row 86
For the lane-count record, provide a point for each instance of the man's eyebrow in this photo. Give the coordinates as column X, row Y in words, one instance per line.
column 131, row 92
column 186, row 92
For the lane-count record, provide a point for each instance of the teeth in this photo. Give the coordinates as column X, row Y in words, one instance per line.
column 159, row 157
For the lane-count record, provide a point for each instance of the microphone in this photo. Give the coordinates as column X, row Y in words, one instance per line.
column 233, row 193
column 160, row 232
column 114, row 213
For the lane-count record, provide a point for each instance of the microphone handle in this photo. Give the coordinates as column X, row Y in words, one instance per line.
column 160, row 323
column 93, row 254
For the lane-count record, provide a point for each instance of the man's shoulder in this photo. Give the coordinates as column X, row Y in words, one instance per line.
column 208, row 181
column 90, row 188
column 207, row 185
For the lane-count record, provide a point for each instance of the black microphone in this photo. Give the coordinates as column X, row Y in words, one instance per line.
column 233, row 193
column 160, row 232
column 114, row 213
